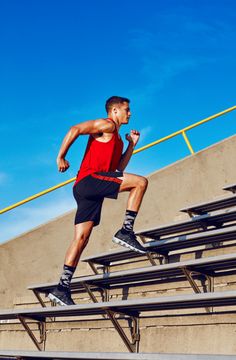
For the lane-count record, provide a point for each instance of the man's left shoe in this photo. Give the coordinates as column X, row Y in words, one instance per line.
column 61, row 297
column 128, row 240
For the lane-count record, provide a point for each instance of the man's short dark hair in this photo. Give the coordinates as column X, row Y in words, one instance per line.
column 115, row 100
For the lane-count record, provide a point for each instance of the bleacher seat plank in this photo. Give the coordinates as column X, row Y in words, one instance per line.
column 211, row 265
column 19, row 354
column 165, row 245
column 132, row 307
column 195, row 223
column 191, row 240
column 231, row 188
column 209, row 206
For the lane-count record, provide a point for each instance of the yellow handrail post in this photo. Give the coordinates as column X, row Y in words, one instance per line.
column 187, row 142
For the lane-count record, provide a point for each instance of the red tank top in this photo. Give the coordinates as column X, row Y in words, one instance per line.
column 101, row 156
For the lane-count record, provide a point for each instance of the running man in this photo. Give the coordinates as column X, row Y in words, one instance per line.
column 100, row 176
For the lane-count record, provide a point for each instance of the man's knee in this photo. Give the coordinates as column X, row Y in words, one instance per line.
column 83, row 231
column 143, row 182
column 81, row 237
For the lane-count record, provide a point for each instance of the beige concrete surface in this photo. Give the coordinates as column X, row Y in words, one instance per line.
column 202, row 334
column 37, row 257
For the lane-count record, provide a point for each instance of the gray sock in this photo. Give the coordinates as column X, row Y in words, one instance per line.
column 129, row 220
column 66, row 276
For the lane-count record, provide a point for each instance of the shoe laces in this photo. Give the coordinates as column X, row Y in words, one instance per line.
column 134, row 239
column 132, row 235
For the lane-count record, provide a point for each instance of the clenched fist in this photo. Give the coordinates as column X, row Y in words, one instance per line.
column 133, row 137
column 62, row 164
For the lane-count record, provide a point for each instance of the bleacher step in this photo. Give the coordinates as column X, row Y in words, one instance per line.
column 166, row 245
column 209, row 206
column 140, row 276
column 198, row 222
column 21, row 355
column 231, row 187
column 134, row 306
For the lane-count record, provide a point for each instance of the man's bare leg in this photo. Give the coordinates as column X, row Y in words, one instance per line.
column 137, row 186
column 61, row 294
column 81, row 237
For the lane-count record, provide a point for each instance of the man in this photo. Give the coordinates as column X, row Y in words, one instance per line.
column 101, row 175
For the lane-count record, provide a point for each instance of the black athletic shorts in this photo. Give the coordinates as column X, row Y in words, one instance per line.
column 90, row 192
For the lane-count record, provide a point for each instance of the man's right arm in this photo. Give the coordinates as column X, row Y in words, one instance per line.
column 84, row 128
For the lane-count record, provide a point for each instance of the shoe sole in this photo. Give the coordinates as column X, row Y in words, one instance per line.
column 56, row 300
column 123, row 243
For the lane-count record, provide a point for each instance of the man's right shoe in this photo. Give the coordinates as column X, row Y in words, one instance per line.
column 128, row 240
column 61, row 297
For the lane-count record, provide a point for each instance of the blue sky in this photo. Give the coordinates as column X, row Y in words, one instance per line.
column 61, row 60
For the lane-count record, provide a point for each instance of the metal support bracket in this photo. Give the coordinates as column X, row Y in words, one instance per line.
column 193, row 213
column 93, row 267
column 133, row 344
column 40, row 344
column 150, row 254
column 164, row 254
column 134, row 327
column 39, row 298
column 105, row 268
column 105, row 292
column 189, row 275
column 151, row 259
column 92, row 296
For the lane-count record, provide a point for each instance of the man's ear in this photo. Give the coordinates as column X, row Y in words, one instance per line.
column 114, row 109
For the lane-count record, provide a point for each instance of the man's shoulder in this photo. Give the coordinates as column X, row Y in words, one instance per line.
column 105, row 123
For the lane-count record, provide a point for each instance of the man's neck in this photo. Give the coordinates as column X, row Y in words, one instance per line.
column 118, row 125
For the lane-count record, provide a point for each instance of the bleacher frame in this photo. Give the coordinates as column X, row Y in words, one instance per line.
column 202, row 229
column 129, row 309
column 209, row 267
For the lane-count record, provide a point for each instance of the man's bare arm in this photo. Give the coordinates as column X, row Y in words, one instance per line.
column 126, row 157
column 84, row 128
column 133, row 139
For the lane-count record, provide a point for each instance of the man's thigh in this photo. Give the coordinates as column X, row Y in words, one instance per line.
column 129, row 181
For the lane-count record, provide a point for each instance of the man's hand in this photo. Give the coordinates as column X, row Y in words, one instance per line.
column 133, row 137
column 62, row 164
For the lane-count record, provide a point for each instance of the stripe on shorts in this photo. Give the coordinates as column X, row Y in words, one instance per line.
column 107, row 178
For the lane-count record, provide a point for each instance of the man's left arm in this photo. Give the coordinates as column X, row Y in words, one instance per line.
column 132, row 138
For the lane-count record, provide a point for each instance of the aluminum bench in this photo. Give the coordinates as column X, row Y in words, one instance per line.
column 231, row 188
column 23, row 355
column 201, row 222
column 209, row 267
column 133, row 309
column 162, row 247
column 205, row 207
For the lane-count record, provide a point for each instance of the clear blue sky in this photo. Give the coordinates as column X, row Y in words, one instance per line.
column 60, row 61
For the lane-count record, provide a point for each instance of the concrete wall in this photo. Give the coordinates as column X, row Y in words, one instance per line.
column 196, row 334
column 37, row 257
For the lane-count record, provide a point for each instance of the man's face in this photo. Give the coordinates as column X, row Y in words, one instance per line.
column 123, row 112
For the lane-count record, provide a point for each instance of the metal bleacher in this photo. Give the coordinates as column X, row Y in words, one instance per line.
column 231, row 188
column 163, row 247
column 23, row 355
column 209, row 267
column 205, row 207
column 211, row 222
column 132, row 309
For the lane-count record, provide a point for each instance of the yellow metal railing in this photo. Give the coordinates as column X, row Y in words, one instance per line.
column 179, row 132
